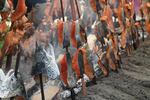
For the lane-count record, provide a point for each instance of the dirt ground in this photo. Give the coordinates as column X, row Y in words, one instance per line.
column 132, row 82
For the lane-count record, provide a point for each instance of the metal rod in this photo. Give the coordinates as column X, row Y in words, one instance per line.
column 73, row 10
column 142, row 24
column 42, row 89
column 62, row 10
column 77, row 8
column 8, row 62
column 81, row 67
column 98, row 8
column 12, row 98
column 143, row 35
column 17, row 63
column 81, row 28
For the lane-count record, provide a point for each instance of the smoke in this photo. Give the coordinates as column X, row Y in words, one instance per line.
column 45, row 31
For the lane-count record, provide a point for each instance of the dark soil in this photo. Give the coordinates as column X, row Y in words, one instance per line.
column 132, row 82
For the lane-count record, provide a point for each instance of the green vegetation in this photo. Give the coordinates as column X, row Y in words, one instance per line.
column 1, row 43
